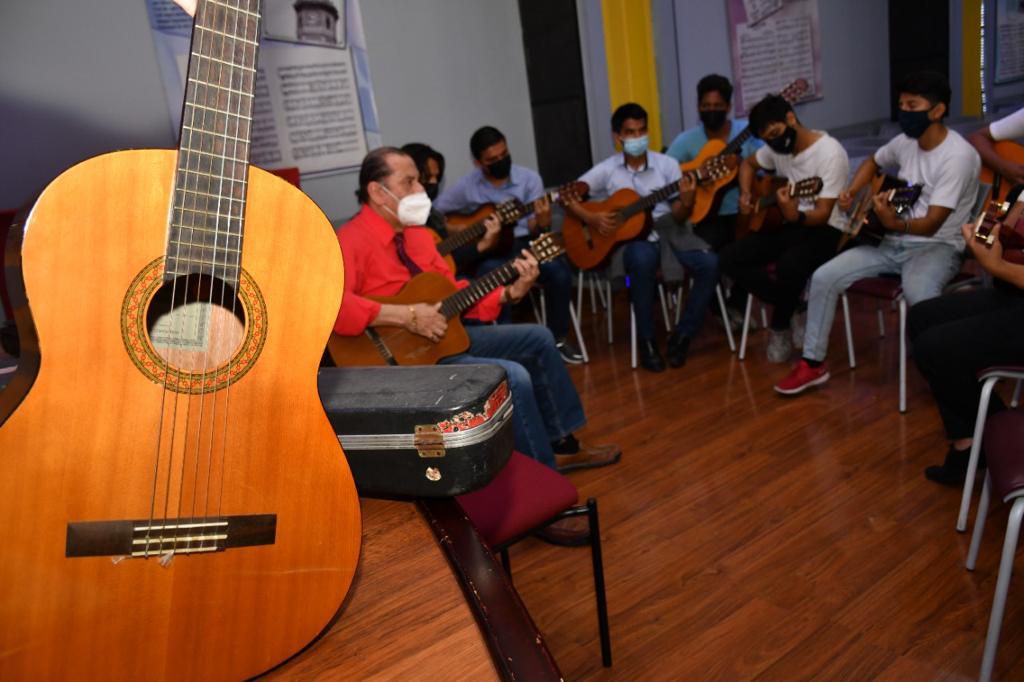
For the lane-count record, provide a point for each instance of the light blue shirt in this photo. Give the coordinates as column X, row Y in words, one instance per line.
column 688, row 144
column 613, row 174
column 474, row 190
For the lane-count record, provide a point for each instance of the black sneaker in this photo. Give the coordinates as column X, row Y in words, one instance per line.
column 570, row 354
column 953, row 470
column 678, row 347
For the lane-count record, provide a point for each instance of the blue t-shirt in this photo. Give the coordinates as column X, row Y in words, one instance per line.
column 688, row 144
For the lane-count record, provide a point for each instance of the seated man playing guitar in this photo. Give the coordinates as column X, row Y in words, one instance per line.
column 812, row 227
column 925, row 247
column 646, row 172
column 384, row 245
column 957, row 335
column 495, row 180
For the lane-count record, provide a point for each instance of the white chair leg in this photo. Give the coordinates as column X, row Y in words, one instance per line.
column 608, row 308
column 972, row 462
column 979, row 524
column 679, row 303
column 881, row 323
column 764, row 317
column 746, row 327
column 580, row 283
column 849, row 330
column 664, row 308
column 579, row 335
column 903, row 355
column 995, row 621
column 725, row 318
column 632, row 337
column 1016, row 394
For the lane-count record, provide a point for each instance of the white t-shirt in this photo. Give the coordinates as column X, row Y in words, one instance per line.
column 1009, row 127
column 949, row 175
column 825, row 159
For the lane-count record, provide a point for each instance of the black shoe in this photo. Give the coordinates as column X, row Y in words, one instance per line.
column 570, row 354
column 650, row 358
column 678, row 347
column 953, row 470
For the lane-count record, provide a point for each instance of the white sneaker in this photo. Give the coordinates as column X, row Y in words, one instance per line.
column 780, row 347
column 799, row 325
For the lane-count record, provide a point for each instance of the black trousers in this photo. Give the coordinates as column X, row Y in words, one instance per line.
column 957, row 335
column 796, row 250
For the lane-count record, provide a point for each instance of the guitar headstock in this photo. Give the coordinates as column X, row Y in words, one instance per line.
column 808, row 187
column 547, row 247
column 510, row 211
column 995, row 212
column 718, row 166
column 571, row 192
column 796, row 90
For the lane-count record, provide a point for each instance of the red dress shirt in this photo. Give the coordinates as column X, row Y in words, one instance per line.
column 372, row 268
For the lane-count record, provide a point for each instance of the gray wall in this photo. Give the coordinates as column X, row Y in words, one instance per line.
column 81, row 78
column 855, row 59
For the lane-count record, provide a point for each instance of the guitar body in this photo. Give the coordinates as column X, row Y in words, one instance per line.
column 587, row 248
column 764, row 186
column 1010, row 151
column 83, row 421
column 406, row 347
column 460, row 221
column 708, row 195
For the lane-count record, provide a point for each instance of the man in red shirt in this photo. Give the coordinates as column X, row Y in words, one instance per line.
column 384, row 245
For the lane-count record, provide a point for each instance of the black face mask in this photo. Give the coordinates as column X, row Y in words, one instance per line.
column 431, row 188
column 500, row 169
column 713, row 120
column 914, row 123
column 783, row 144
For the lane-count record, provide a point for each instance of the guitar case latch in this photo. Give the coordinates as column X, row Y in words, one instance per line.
column 429, row 441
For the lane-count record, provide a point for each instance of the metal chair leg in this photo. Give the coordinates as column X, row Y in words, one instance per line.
column 725, row 317
column 608, row 310
column 599, row 591
column 903, row 355
column 849, row 330
column 632, row 336
column 972, row 462
column 979, row 524
column 995, row 621
column 575, row 319
column 746, row 327
column 1016, row 394
column 881, row 322
column 664, row 308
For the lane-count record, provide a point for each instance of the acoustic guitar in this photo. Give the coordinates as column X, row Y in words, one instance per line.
column 176, row 503
column 864, row 225
column 1011, row 151
column 764, row 192
column 718, row 162
column 468, row 228
column 398, row 346
column 1010, row 217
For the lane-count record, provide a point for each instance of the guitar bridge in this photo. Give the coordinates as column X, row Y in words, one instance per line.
column 156, row 537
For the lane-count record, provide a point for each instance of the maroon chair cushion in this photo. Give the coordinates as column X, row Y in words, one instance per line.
column 1004, row 451
column 877, row 287
column 523, row 495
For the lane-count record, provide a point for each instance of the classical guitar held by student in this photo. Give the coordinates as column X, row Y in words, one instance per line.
column 864, row 226
column 1011, row 151
column 176, row 503
column 398, row 346
column 1010, row 218
column 764, row 192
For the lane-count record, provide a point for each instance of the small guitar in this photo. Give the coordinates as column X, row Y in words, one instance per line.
column 510, row 212
column 1011, row 151
column 764, row 190
column 1011, row 232
column 398, row 346
column 718, row 162
column 864, row 224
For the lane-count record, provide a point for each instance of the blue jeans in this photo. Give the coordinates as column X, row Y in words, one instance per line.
column 924, row 266
column 641, row 260
column 546, row 407
column 556, row 276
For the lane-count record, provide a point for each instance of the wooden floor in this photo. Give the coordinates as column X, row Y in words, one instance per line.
column 748, row 536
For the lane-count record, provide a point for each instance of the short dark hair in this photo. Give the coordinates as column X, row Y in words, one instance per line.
column 771, row 109
column 375, row 168
column 931, row 85
column 485, row 137
column 714, row 83
column 421, row 153
column 626, row 111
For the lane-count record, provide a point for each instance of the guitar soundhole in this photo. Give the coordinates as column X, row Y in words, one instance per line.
column 195, row 322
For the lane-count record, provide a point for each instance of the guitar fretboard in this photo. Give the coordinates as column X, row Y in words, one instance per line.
column 205, row 234
column 650, row 201
column 510, row 215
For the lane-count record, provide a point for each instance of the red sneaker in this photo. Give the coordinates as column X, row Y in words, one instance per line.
column 802, row 378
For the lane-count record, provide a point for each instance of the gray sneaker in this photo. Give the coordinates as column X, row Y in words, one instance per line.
column 799, row 325
column 780, row 347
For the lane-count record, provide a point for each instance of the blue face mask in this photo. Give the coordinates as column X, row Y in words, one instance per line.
column 635, row 146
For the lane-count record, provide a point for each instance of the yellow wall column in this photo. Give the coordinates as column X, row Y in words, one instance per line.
column 970, row 77
column 629, row 50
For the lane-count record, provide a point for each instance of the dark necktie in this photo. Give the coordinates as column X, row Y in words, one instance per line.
column 403, row 256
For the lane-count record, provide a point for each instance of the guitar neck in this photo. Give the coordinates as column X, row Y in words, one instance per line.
column 464, row 299
column 737, row 143
column 471, row 234
column 651, row 200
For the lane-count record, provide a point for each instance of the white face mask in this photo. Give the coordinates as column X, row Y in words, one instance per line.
column 413, row 209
